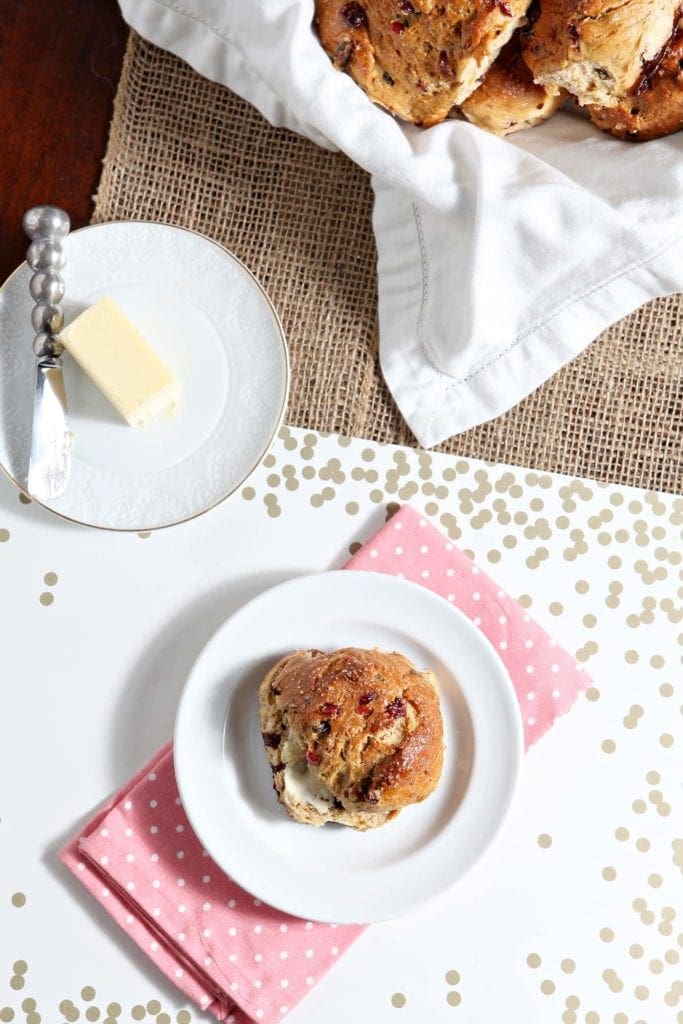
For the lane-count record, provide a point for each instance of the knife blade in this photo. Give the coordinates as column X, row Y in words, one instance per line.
column 50, row 459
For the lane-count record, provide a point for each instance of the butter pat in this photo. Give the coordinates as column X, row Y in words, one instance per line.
column 120, row 361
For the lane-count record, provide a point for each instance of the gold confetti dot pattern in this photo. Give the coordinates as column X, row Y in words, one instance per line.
column 507, row 519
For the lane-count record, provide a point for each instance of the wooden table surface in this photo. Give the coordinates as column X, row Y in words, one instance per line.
column 59, row 66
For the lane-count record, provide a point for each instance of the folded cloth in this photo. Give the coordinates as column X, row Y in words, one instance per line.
column 499, row 259
column 234, row 956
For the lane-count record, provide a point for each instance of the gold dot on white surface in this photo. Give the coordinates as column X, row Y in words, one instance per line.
column 46, row 598
column 635, row 950
column 641, row 992
column 606, row 934
column 666, row 739
column 547, row 987
column 453, row 998
column 50, row 579
column 642, row 844
column 568, row 966
column 452, row 977
column 609, row 746
column 4, row 536
column 656, row 966
column 398, row 1000
column 533, row 960
column 18, row 899
column 621, row 834
column 639, row 806
column 592, row 693
column 544, row 840
column 654, row 880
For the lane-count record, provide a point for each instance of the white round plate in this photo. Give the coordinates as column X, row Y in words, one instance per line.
column 209, row 320
column 333, row 873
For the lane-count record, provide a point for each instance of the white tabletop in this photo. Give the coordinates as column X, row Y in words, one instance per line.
column 575, row 915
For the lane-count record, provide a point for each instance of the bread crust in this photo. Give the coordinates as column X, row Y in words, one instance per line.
column 655, row 107
column 417, row 58
column 596, row 49
column 508, row 100
column 365, row 725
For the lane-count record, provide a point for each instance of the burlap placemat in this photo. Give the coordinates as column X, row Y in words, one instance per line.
column 189, row 152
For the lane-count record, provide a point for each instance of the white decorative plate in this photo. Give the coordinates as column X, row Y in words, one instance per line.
column 333, row 873
column 211, row 322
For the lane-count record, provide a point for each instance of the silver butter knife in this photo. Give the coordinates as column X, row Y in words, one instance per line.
column 50, row 459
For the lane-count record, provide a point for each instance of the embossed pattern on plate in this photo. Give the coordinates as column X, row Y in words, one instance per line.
column 210, row 320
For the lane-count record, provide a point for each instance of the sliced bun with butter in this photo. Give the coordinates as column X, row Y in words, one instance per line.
column 352, row 736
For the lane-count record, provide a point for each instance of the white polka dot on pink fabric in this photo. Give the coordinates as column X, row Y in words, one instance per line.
column 398, row 551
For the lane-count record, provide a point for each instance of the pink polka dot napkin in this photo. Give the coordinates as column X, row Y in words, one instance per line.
column 232, row 955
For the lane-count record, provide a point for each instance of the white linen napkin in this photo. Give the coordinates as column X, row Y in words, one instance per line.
column 499, row 260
